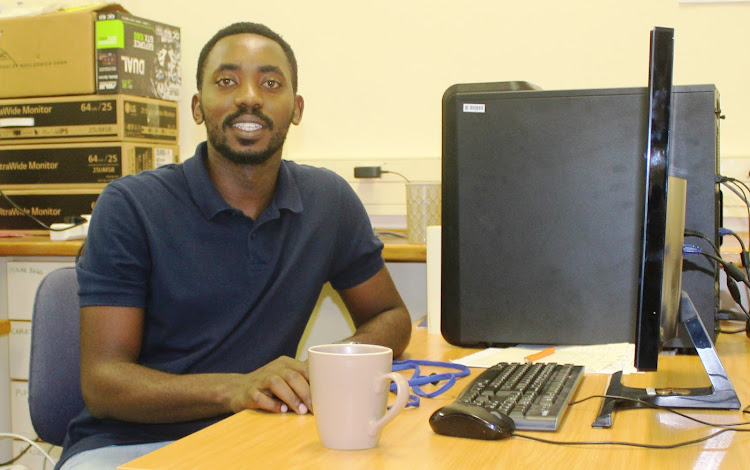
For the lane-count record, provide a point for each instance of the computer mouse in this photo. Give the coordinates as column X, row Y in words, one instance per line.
column 473, row 422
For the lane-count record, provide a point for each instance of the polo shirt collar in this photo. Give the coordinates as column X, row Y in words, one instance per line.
column 209, row 200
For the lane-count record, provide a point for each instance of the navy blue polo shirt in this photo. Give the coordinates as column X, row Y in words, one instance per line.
column 221, row 292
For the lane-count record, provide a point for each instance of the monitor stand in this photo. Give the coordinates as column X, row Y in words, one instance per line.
column 720, row 395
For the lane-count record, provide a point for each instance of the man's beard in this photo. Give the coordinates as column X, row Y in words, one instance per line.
column 218, row 140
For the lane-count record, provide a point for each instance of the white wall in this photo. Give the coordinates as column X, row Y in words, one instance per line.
column 373, row 73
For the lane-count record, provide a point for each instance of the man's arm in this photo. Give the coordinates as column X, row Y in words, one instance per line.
column 115, row 386
column 378, row 312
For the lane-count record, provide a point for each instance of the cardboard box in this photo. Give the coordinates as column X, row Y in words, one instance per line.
column 78, row 165
column 49, row 206
column 58, row 53
column 88, row 118
column 49, row 54
column 137, row 56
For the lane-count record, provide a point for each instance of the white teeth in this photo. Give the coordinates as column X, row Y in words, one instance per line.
column 248, row 126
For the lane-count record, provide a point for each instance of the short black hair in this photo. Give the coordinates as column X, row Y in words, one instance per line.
column 246, row 28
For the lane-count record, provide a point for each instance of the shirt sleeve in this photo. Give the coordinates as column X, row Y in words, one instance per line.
column 113, row 269
column 359, row 251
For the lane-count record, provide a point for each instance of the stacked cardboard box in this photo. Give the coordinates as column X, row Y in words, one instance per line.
column 88, row 95
column 99, row 49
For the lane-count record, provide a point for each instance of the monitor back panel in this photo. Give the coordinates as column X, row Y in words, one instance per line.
column 542, row 213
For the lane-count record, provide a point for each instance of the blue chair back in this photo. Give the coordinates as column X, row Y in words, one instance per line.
column 55, row 371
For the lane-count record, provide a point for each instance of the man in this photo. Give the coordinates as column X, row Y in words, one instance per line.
column 198, row 278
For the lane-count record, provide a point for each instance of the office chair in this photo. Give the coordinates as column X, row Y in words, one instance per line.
column 55, row 371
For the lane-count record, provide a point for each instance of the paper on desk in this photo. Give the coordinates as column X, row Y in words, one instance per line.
column 596, row 358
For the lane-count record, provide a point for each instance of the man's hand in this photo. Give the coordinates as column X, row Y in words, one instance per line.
column 280, row 385
column 115, row 386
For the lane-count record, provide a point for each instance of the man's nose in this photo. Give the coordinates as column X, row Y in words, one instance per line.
column 249, row 96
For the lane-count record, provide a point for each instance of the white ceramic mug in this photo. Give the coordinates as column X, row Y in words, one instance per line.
column 349, row 385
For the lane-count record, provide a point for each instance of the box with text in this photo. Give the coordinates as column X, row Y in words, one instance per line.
column 88, row 118
column 137, row 56
column 48, row 206
column 49, row 54
column 94, row 49
column 78, row 165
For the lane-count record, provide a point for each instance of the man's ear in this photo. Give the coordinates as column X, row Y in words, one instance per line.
column 197, row 110
column 299, row 107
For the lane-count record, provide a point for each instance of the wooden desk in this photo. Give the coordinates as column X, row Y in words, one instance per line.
column 37, row 245
column 254, row 440
column 395, row 250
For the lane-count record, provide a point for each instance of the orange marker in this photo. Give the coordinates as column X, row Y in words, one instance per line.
column 539, row 355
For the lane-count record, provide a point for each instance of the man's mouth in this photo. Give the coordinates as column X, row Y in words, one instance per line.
column 247, row 126
column 245, row 121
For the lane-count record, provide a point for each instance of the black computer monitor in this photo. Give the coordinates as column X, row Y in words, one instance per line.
column 663, row 215
column 662, row 304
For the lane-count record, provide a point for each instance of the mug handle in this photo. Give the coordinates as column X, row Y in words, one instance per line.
column 402, row 396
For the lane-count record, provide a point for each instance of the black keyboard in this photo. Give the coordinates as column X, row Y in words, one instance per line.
column 534, row 395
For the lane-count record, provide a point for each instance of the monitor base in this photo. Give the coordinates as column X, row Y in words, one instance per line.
column 720, row 395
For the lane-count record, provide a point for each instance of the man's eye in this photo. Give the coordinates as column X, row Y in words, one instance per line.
column 272, row 84
column 224, row 82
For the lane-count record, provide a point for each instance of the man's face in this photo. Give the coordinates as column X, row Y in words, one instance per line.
column 246, row 99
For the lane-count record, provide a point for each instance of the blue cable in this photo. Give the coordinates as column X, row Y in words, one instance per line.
column 417, row 379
